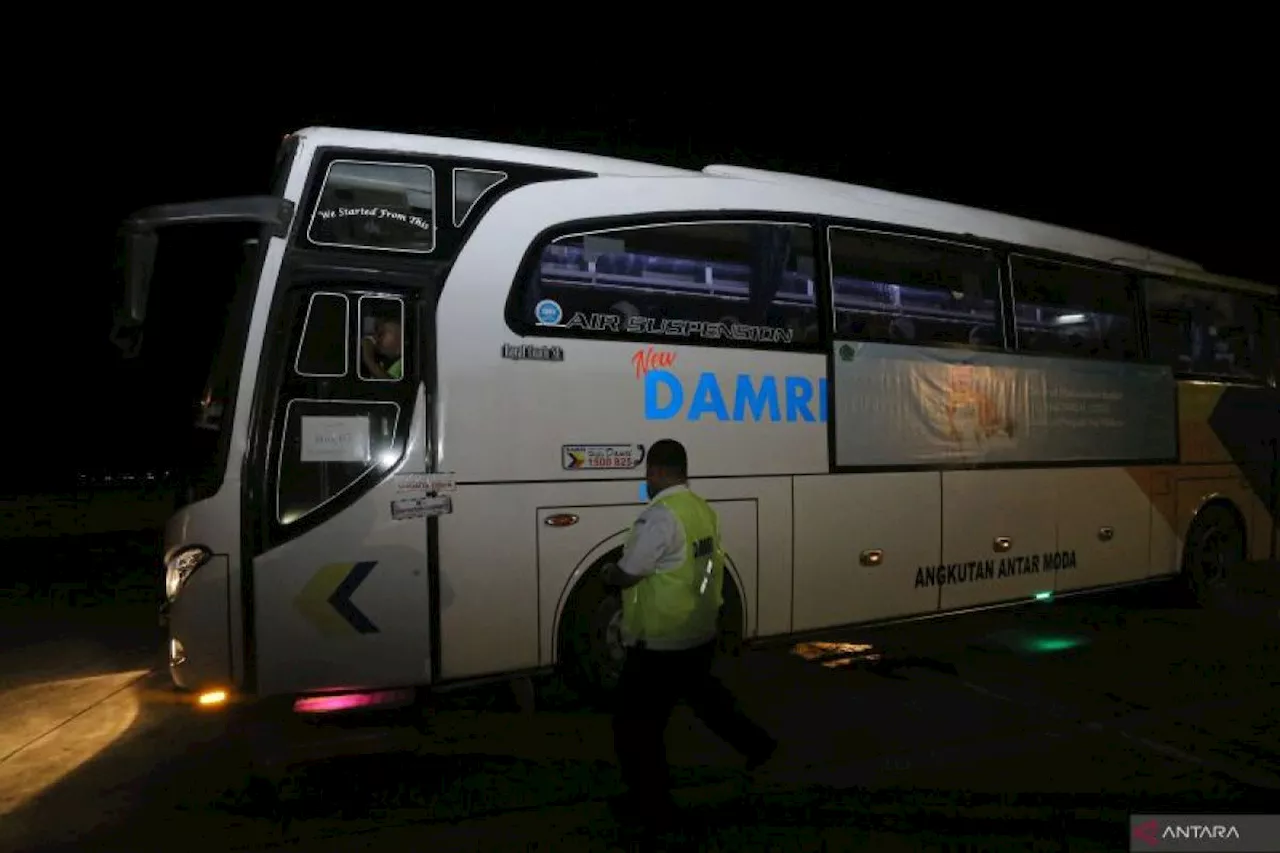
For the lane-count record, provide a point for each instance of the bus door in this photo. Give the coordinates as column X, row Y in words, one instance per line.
column 345, row 507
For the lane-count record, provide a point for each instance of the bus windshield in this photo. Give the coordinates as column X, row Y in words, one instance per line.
column 194, row 345
column 200, row 313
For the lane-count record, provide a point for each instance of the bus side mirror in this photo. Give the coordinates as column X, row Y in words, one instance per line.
column 140, row 259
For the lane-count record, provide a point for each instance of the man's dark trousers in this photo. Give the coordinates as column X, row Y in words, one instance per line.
column 651, row 684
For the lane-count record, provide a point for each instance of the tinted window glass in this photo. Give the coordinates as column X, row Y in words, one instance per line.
column 914, row 291
column 387, row 206
column 323, row 349
column 468, row 186
column 1073, row 310
column 327, row 445
column 704, row 283
column 1199, row 330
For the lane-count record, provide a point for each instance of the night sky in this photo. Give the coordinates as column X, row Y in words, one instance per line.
column 1196, row 180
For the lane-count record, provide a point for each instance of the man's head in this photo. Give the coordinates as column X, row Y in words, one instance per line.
column 386, row 337
column 666, row 465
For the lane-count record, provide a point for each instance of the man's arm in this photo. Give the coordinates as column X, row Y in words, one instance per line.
column 649, row 544
column 615, row 576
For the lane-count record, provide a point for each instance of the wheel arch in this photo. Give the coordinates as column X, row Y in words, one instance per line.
column 604, row 551
column 1213, row 500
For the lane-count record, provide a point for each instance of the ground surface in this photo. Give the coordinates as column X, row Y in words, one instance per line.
column 1040, row 728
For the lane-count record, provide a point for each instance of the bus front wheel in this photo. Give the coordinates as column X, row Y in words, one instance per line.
column 1215, row 544
column 591, row 649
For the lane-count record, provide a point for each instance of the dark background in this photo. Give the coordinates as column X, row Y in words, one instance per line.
column 1187, row 168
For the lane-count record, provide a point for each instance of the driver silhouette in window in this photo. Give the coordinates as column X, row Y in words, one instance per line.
column 381, row 352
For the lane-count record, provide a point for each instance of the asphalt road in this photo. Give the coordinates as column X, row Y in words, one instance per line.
column 1040, row 728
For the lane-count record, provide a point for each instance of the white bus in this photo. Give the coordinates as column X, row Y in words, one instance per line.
column 899, row 407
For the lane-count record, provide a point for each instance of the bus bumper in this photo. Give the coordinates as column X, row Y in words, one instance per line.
column 198, row 619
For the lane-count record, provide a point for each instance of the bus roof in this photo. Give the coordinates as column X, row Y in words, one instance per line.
column 447, row 146
column 972, row 221
column 959, row 219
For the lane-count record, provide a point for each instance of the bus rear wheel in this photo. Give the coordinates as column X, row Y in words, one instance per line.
column 1215, row 545
column 591, row 648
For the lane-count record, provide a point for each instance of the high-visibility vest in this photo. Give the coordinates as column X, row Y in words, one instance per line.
column 679, row 608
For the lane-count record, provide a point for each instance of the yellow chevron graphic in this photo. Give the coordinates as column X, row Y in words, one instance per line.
column 313, row 600
column 578, row 457
column 1196, row 402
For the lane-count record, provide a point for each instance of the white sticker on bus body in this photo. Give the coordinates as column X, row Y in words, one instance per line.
column 425, row 507
column 578, row 457
column 443, row 483
column 422, row 485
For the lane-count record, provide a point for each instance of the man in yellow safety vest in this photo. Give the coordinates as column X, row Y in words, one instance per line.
column 671, row 575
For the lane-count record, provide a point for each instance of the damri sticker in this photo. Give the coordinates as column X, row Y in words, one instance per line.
column 581, row 457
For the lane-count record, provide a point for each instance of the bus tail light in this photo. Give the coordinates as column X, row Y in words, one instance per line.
column 179, row 567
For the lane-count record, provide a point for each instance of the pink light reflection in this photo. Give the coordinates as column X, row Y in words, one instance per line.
column 348, row 701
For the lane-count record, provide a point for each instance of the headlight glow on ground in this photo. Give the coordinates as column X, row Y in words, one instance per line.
column 55, row 727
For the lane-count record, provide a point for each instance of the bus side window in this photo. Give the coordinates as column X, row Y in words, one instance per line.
column 1073, row 310
column 322, row 350
column 382, row 341
column 703, row 283
column 1203, row 331
column 910, row 290
column 383, row 206
column 469, row 186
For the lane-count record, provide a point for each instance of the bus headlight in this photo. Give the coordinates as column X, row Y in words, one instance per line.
column 180, row 565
